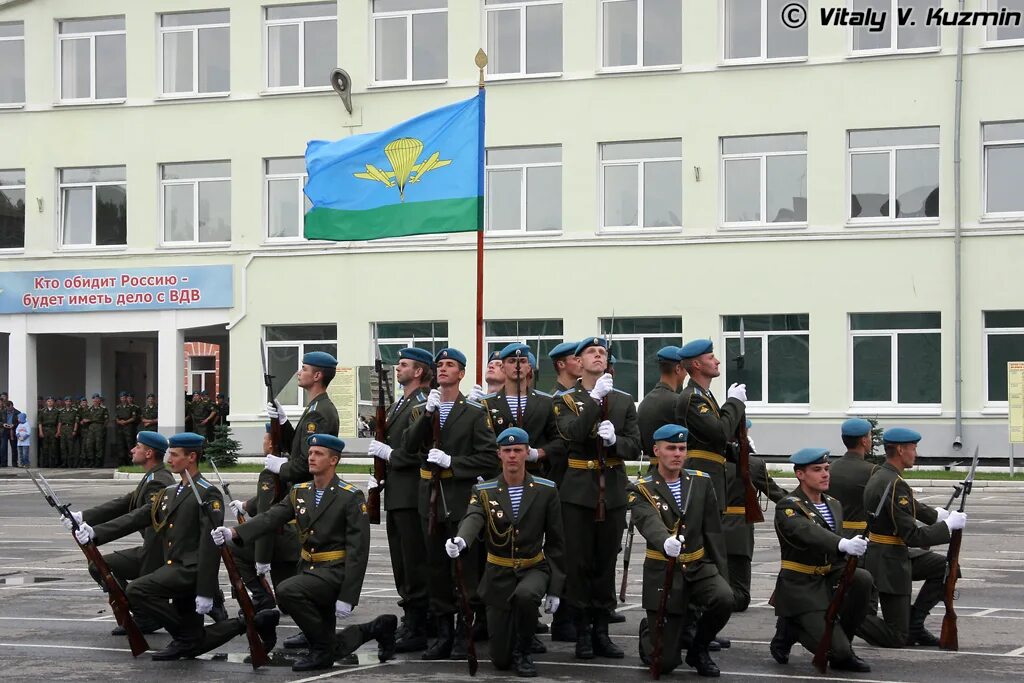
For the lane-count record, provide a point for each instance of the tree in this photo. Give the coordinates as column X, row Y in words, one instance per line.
column 223, row 450
column 877, row 453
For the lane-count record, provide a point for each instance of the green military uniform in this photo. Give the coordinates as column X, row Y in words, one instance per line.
column 657, row 408
column 711, row 428
column 49, row 454
column 150, row 413
column 201, row 410
column 223, row 410
column 68, row 419
column 700, row 567
column 849, row 476
column 125, row 441
column 81, row 431
column 94, row 448
column 538, row 420
column 558, row 388
column 525, row 558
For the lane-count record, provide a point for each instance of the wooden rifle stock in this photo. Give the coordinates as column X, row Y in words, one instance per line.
column 751, row 508
column 435, row 476
column 948, row 637
column 657, row 646
column 599, row 511
column 820, row 660
column 118, row 600
column 275, row 424
column 264, row 583
column 467, row 616
column 380, row 468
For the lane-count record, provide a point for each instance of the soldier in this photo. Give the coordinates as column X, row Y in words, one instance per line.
column 49, row 423
column 124, row 416
column 494, row 376
column 330, row 516
column 189, row 400
column 452, row 431
column 676, row 512
column 181, row 590
column 522, row 520
column 136, row 415
column 150, row 414
column 204, row 413
column 80, row 431
column 67, row 427
column 850, row 475
column 808, row 523
column 414, row 372
column 223, row 409
column 892, row 533
column 598, row 424
column 658, row 407
column 95, row 424
column 566, row 365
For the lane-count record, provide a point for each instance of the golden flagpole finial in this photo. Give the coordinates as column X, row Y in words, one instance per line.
column 481, row 63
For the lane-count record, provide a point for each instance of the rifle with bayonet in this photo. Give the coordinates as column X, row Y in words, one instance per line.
column 751, row 509
column 115, row 594
column 599, row 511
column 666, row 588
column 629, row 539
column 257, row 650
column 380, row 467
column 948, row 637
column 275, row 425
column 460, row 588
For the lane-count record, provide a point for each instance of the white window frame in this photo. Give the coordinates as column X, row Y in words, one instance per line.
column 990, row 41
column 61, row 186
column 301, row 23
column 408, row 15
column 764, row 58
column 891, row 150
column 639, row 227
column 194, row 182
column 22, row 186
column 893, row 406
column 206, row 376
column 91, row 35
column 11, row 39
column 985, row 146
column 999, row 406
column 638, row 66
column 763, row 156
column 490, row 232
column 764, row 405
column 407, row 342
column 641, row 340
column 508, row 339
column 194, row 29
column 521, row 7
column 268, row 177
column 301, row 346
column 892, row 22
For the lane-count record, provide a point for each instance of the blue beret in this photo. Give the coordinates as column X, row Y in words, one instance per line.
column 532, row 359
column 320, row 359
column 671, row 433
column 749, row 424
column 517, row 349
column 856, row 426
column 901, row 435
column 591, row 341
column 513, row 436
column 562, row 350
column 495, row 355
column 122, row 394
column 694, row 348
column 49, row 398
column 67, row 398
column 809, row 456
column 327, row 441
column 153, row 440
column 96, row 396
column 417, row 354
column 669, row 353
column 451, row 354
column 186, row 440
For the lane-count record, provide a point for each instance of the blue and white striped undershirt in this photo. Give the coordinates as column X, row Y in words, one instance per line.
column 318, row 494
column 827, row 514
column 446, row 407
column 516, row 494
column 517, row 404
column 676, row 487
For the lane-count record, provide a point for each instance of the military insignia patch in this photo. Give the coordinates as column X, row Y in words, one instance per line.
column 362, row 507
column 703, row 409
column 472, row 500
column 631, row 498
column 215, row 505
column 499, row 514
column 904, row 501
column 310, row 428
column 265, row 486
column 789, row 512
column 556, row 410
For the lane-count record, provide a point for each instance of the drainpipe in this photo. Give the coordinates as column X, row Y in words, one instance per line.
column 957, row 241
column 244, row 299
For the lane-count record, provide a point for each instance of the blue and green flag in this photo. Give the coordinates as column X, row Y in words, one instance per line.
column 423, row 176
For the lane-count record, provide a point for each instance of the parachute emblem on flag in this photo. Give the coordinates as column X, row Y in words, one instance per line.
column 403, row 154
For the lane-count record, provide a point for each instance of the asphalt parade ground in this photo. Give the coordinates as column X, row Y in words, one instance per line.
column 55, row 622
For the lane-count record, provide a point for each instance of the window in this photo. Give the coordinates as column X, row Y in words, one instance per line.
column 286, row 204
column 776, row 357
column 286, row 345
column 92, row 59
column 764, row 179
column 12, row 63
column 540, row 335
column 93, row 207
column 754, row 31
column 202, row 373
column 642, row 184
column 195, row 49
column 302, row 45
column 641, row 33
column 916, row 34
column 1004, row 342
column 524, row 189
column 1004, row 159
column 12, row 209
column 894, row 162
column 393, row 337
column 1013, row 32
column 523, row 38
column 635, row 343
column 196, row 202
column 410, row 40
column 896, row 358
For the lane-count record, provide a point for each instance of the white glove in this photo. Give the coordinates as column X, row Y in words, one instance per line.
column 454, row 546
column 476, row 393
column 602, row 387
column 855, row 546
column 276, row 412
column 203, row 605
column 221, row 535
column 262, row 569
column 438, row 457
column 67, row 522
column 955, row 520
column 371, row 484
column 238, row 507
column 551, row 604
column 380, row 450
column 273, row 463
column 606, row 430
column 85, row 533
column 342, row 609
column 737, row 391
column 433, row 400
column 943, row 514
column 673, row 546
column 533, row 455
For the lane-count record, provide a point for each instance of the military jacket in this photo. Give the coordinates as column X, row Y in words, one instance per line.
column 48, row 419
column 149, row 413
column 200, row 410
column 68, row 418
column 657, row 409
column 711, row 427
column 123, row 411
column 223, row 410
column 96, row 416
column 136, row 415
column 539, row 422
column 739, row 535
column 848, row 477
column 401, row 491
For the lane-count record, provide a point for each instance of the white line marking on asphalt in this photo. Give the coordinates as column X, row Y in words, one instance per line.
column 985, row 612
column 341, row 672
column 69, row 647
column 1015, row 653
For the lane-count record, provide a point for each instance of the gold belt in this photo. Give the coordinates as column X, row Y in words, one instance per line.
column 685, row 558
column 444, row 474
column 328, row 556
column 706, row 455
column 883, row 538
column 736, row 510
column 806, row 568
column 859, row 526
column 518, row 563
column 593, row 464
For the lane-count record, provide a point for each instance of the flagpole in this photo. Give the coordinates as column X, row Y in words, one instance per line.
column 481, row 63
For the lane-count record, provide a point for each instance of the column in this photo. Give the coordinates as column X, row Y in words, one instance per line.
column 94, row 368
column 22, row 354
column 170, row 374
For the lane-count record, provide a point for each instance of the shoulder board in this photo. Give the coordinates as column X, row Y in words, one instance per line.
column 420, row 396
column 544, row 482
column 474, row 404
column 487, row 396
column 563, row 392
column 303, row 485
column 486, row 485
column 312, row 406
column 698, row 473
column 648, row 479
column 624, row 393
column 789, row 499
column 202, row 482
column 147, row 478
column 347, row 486
column 542, row 393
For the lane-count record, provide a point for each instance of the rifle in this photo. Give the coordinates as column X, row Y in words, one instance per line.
column 751, row 510
column 380, row 468
column 257, row 650
column 629, row 540
column 275, row 425
column 948, row 638
column 460, row 587
column 666, row 588
column 599, row 510
column 115, row 594
column 435, row 477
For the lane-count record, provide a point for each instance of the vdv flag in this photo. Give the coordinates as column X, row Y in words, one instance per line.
column 423, row 176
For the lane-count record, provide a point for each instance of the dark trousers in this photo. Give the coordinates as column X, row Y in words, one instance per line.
column 739, row 581
column 6, row 446
column 893, row 628
column 713, row 597
column 856, row 604
column 309, row 600
column 440, row 568
column 49, row 454
column 282, row 567
column 407, row 548
column 507, row 623
column 591, row 553
column 125, row 443
column 125, row 565
column 67, row 455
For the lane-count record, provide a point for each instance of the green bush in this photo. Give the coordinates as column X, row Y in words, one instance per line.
column 223, row 450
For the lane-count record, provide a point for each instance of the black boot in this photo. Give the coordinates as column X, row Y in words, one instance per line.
column 537, row 647
column 562, row 627
column 415, row 637
column 541, row 627
column 460, row 644
column 382, row 629
column 854, row 663
column 700, row 660
column 266, row 624
column 319, row 657
column 603, row 645
column 584, row 639
column 720, row 643
column 640, row 642
column 441, row 646
column 616, row 618
column 218, row 613
column 177, row 649
column 919, row 635
column 782, row 641
column 522, row 662
column 480, row 625
column 296, row 642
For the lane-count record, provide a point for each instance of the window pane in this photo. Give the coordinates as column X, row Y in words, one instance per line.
column 93, row 174
column 788, row 369
column 544, row 198
column 787, row 188
column 1010, row 31
column 504, row 200
column 756, row 144
column 870, row 182
column 429, row 46
column 283, row 364
column 15, row 177
column 1004, row 319
column 301, row 333
column 321, row 52
column 885, row 137
column 214, row 60
column 197, row 363
column 77, row 209
column 91, row 25
column 12, row 29
column 523, row 329
column 12, row 71
column 403, row 5
column 864, row 38
column 657, row 326
column 751, row 372
column 742, row 190
column 895, row 321
column 663, row 21
column 766, row 323
column 283, row 56
column 544, row 39
column 663, row 187
column 215, row 211
column 919, row 368
column 110, row 67
column 620, row 195
column 318, row 9
column 922, row 34
column 284, row 214
column 12, row 219
column 1002, row 179
column 626, row 365
column 178, row 62
column 195, row 18
column 1003, row 131
column 504, row 156
column 75, row 64
column 179, row 213
column 1002, row 348
column 742, row 29
column 651, row 373
column 642, row 150
column 503, row 40
column 784, row 41
column 200, row 169
column 917, row 183
column 390, row 50
column 872, row 368
column 296, row 165
column 111, row 215
column 620, row 33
